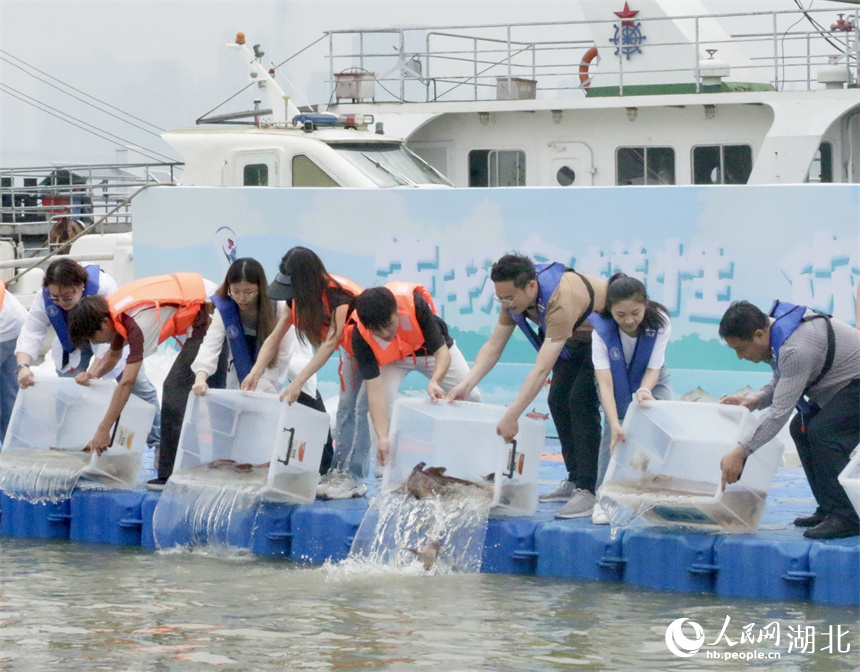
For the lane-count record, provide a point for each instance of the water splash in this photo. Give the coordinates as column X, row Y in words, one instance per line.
column 41, row 475
column 441, row 534
column 212, row 508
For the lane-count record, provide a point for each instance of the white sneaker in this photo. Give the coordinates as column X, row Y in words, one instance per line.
column 578, row 506
column 346, row 486
column 598, row 515
column 325, row 483
column 562, row 493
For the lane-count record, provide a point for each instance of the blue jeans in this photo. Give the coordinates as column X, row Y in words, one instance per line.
column 8, row 384
column 352, row 429
column 661, row 391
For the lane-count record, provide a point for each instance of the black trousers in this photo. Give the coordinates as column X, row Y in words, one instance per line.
column 174, row 398
column 328, row 450
column 824, row 448
column 574, row 405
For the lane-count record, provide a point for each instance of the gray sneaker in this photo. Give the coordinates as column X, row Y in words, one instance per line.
column 322, row 488
column 578, row 506
column 562, row 493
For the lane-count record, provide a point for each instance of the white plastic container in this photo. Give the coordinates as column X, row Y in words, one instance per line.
column 668, row 469
column 850, row 480
column 256, row 428
column 59, row 414
column 461, row 436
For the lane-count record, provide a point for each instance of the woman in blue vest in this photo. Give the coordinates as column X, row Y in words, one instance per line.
column 628, row 348
column 244, row 318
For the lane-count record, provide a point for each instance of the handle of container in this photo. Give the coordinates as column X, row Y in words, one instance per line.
column 612, row 562
column 292, row 431
column 798, row 576
column 277, row 536
column 131, row 522
column 512, row 464
column 702, row 568
column 525, row 556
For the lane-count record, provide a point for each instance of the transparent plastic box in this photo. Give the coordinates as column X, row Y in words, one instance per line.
column 849, row 479
column 461, row 436
column 668, row 469
column 285, row 441
column 58, row 414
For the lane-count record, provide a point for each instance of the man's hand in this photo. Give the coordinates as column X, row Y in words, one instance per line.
column 732, row 465
column 100, row 442
column 383, row 447
column 750, row 403
column 508, row 428
column 84, row 378
column 643, row 394
column 435, row 392
column 26, row 378
column 617, row 436
column 200, row 389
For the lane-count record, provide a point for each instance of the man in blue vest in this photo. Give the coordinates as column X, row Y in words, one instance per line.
column 816, row 369
column 558, row 301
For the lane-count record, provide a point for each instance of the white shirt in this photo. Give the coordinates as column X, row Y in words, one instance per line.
column 38, row 323
column 600, row 353
column 293, row 356
column 12, row 318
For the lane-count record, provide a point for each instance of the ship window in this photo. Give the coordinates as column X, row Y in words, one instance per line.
column 645, row 165
column 565, row 176
column 308, row 174
column 497, row 168
column 722, row 164
column 821, row 169
column 255, row 175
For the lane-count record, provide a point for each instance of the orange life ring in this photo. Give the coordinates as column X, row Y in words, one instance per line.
column 584, row 79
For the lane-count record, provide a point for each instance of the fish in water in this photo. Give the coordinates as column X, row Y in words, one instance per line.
column 427, row 554
column 243, row 468
column 423, row 482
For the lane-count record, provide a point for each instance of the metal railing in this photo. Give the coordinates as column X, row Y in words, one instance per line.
column 472, row 62
column 36, row 201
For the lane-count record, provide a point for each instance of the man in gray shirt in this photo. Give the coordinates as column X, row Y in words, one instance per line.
column 816, row 366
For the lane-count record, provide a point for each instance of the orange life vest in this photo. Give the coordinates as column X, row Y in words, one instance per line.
column 183, row 290
column 409, row 336
column 2, row 293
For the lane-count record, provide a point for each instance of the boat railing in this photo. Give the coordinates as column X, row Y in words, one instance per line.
column 50, row 204
column 36, row 257
column 501, row 61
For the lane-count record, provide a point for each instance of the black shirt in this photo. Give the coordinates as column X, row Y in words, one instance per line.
column 432, row 326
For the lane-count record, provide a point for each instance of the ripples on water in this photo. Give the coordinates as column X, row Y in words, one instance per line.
column 73, row 606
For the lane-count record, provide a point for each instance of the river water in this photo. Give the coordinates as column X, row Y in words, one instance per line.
column 72, row 606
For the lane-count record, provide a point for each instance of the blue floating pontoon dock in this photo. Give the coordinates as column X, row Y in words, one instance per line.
column 775, row 563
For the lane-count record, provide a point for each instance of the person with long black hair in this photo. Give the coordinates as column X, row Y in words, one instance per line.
column 318, row 304
column 628, row 349
column 243, row 319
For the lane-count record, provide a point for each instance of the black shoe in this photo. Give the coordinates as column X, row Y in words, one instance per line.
column 156, row 484
column 810, row 521
column 833, row 527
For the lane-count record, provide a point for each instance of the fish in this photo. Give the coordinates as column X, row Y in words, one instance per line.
column 537, row 416
column 243, row 468
column 217, row 464
column 423, row 482
column 427, row 554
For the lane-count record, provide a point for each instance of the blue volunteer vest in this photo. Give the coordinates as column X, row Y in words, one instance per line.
column 788, row 317
column 243, row 359
column 626, row 379
column 59, row 317
column 548, row 277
